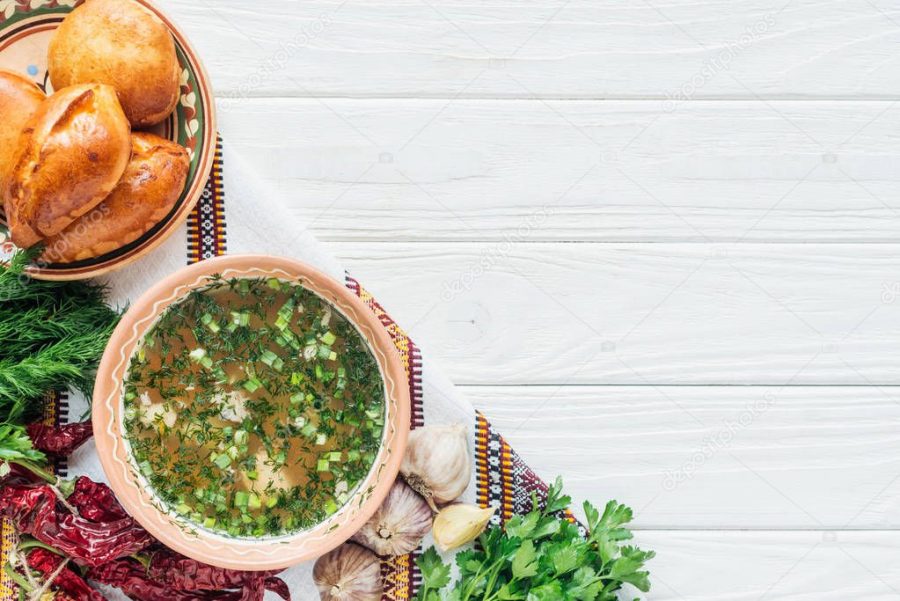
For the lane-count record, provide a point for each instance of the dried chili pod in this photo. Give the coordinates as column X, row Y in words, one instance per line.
column 95, row 501
column 59, row 440
column 279, row 587
column 66, row 580
column 34, row 510
column 131, row 577
column 187, row 574
column 255, row 590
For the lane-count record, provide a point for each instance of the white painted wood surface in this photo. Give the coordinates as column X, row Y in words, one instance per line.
column 658, row 242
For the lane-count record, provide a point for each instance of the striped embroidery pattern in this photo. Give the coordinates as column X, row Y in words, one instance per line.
column 56, row 411
column 400, row 575
column 206, row 223
column 502, row 478
column 409, row 352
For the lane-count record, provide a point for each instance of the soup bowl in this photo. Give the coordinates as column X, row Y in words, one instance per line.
column 176, row 530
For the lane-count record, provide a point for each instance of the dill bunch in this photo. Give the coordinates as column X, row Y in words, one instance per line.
column 52, row 335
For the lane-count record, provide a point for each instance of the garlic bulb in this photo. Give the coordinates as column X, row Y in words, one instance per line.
column 459, row 524
column 437, row 463
column 349, row 573
column 399, row 525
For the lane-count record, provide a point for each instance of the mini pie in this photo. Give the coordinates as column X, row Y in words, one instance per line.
column 19, row 99
column 150, row 187
column 124, row 45
column 68, row 158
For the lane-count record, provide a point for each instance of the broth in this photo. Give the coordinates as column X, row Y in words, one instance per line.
column 253, row 407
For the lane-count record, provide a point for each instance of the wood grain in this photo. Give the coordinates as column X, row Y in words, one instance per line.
column 787, row 566
column 605, row 219
column 548, row 48
column 579, row 171
column 519, row 313
column 713, row 457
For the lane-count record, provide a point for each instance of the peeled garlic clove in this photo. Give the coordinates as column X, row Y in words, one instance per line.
column 459, row 524
column 399, row 525
column 437, row 463
column 349, row 573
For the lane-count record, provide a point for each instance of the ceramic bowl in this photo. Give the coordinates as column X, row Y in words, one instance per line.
column 25, row 31
column 132, row 489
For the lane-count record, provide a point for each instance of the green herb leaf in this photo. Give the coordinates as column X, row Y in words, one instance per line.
column 543, row 556
column 524, row 563
column 16, row 446
column 435, row 573
column 52, row 335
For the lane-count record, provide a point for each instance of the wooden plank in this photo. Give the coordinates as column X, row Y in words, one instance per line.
column 519, row 313
column 550, row 48
column 787, row 566
column 586, row 171
column 713, row 457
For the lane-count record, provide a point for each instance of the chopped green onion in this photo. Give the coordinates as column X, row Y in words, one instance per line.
column 330, row 506
column 223, row 460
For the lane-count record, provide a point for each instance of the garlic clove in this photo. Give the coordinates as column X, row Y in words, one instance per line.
column 349, row 573
column 398, row 525
column 459, row 524
column 437, row 462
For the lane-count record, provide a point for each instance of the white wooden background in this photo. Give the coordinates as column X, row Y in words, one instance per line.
column 655, row 240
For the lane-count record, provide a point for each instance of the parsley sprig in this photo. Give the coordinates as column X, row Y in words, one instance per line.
column 542, row 556
column 16, row 446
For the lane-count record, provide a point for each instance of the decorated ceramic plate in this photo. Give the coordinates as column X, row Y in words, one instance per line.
column 26, row 27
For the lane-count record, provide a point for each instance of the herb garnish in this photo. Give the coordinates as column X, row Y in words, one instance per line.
column 52, row 335
column 253, row 407
column 543, row 556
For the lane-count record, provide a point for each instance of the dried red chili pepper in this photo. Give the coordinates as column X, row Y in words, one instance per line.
column 59, row 440
column 34, row 510
column 187, row 574
column 95, row 501
column 279, row 587
column 131, row 577
column 67, row 581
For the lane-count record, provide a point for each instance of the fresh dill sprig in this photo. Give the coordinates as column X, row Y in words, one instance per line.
column 52, row 335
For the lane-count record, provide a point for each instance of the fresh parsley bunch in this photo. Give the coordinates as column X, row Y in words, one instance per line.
column 543, row 556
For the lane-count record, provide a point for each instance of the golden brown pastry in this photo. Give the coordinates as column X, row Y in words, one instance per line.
column 69, row 157
column 152, row 184
column 122, row 44
column 19, row 99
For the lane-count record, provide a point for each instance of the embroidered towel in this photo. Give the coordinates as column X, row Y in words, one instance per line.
column 237, row 214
